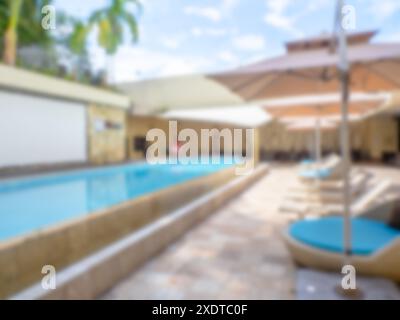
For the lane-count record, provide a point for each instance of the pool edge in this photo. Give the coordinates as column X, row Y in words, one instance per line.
column 90, row 277
column 22, row 258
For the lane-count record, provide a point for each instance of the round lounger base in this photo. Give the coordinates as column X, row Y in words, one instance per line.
column 383, row 263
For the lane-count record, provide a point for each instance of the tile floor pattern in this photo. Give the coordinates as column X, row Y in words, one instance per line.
column 236, row 253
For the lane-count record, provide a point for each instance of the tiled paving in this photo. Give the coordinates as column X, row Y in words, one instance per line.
column 314, row 284
column 237, row 253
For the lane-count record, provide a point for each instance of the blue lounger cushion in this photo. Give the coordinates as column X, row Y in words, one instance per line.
column 315, row 173
column 327, row 234
column 307, row 161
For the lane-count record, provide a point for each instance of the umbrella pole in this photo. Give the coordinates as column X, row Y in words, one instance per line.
column 315, row 140
column 318, row 140
column 343, row 67
column 346, row 160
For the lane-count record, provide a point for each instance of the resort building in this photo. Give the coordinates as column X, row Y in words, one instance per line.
column 52, row 122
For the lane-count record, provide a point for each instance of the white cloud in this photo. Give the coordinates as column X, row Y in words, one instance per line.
column 172, row 41
column 213, row 13
column 132, row 63
column 210, row 13
column 277, row 7
column 279, row 21
column 197, row 32
column 383, row 9
column 214, row 32
column 228, row 57
column 391, row 37
column 276, row 16
column 228, row 6
column 180, row 66
column 250, row 42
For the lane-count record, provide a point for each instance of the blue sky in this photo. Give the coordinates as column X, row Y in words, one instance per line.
column 195, row 36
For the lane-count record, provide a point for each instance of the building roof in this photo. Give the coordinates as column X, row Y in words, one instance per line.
column 180, row 92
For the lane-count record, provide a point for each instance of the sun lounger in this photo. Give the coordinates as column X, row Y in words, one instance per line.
column 318, row 243
column 329, row 184
column 317, row 173
column 313, row 164
column 307, row 162
column 360, row 204
column 327, row 193
column 331, row 168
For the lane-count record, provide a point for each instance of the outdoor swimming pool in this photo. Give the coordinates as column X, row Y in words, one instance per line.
column 33, row 203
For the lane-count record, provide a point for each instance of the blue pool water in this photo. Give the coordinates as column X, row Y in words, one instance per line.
column 33, row 203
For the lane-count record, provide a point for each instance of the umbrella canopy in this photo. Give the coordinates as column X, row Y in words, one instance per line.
column 333, row 118
column 311, row 124
column 321, row 109
column 310, row 67
column 249, row 116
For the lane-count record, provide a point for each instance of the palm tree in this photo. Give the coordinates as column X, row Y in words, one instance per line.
column 10, row 34
column 20, row 24
column 30, row 30
column 110, row 22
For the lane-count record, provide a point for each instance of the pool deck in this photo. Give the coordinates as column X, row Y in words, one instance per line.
column 237, row 253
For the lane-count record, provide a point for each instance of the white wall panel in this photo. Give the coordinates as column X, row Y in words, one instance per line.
column 40, row 130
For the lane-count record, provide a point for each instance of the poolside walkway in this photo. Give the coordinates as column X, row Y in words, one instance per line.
column 237, row 253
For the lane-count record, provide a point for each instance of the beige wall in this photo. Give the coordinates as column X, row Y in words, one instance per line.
column 377, row 135
column 275, row 137
column 372, row 136
column 106, row 145
column 139, row 125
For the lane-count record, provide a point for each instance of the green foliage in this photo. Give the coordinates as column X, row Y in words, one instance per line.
column 29, row 28
column 25, row 22
column 110, row 22
column 3, row 16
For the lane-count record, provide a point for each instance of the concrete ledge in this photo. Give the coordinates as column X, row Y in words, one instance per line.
column 97, row 273
column 36, row 83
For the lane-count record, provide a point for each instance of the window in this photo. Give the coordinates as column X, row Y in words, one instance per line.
column 139, row 143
